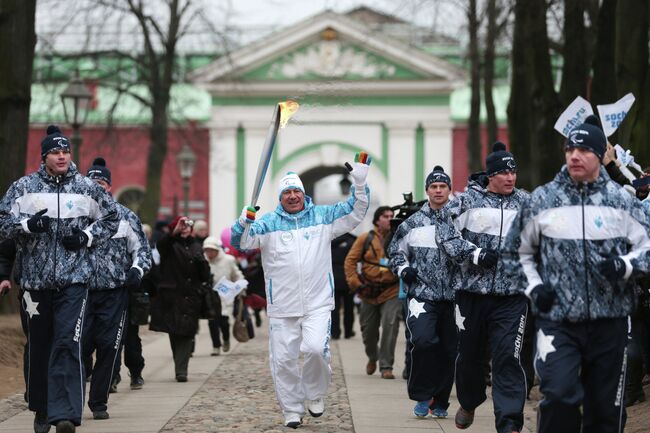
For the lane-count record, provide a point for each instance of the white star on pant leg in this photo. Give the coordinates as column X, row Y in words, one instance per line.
column 544, row 345
column 460, row 320
column 416, row 308
column 31, row 307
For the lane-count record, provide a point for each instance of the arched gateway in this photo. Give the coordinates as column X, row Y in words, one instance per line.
column 359, row 90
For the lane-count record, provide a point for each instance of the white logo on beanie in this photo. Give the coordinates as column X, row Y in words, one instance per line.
column 290, row 181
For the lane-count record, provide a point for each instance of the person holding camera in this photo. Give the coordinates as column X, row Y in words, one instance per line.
column 296, row 255
column 430, row 328
column 367, row 273
column 184, row 275
column 490, row 311
column 56, row 215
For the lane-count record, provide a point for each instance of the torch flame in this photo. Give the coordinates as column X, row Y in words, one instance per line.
column 287, row 109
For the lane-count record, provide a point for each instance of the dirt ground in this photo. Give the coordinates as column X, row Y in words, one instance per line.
column 11, row 356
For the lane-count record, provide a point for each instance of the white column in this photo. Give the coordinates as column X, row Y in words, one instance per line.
column 223, row 178
column 401, row 160
column 438, row 144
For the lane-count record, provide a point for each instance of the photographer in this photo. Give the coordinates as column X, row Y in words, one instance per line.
column 177, row 306
column 367, row 273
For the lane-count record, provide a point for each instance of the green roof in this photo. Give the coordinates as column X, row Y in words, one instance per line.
column 188, row 103
column 459, row 104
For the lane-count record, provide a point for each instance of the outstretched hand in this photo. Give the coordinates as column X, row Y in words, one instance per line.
column 359, row 171
column 248, row 214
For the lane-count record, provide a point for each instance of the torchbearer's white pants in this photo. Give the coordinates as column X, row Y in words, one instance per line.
column 288, row 336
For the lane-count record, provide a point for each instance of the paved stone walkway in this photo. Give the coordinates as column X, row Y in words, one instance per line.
column 234, row 393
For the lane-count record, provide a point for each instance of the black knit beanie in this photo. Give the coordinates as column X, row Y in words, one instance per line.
column 499, row 160
column 99, row 171
column 588, row 136
column 54, row 140
column 437, row 175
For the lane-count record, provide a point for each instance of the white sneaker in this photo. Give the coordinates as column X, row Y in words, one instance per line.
column 215, row 351
column 316, row 407
column 292, row 420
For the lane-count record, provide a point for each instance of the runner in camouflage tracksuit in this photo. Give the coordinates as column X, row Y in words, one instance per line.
column 581, row 241
column 56, row 215
column 119, row 263
column 490, row 310
column 430, row 331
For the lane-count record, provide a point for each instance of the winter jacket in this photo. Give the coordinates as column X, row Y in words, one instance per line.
column 113, row 259
column 225, row 265
column 565, row 230
column 7, row 258
column 340, row 249
column 371, row 269
column 184, row 273
column 474, row 220
column 296, row 253
column 72, row 201
column 414, row 244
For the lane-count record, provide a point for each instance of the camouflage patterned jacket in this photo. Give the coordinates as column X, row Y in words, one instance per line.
column 128, row 248
column 414, row 245
column 72, row 201
column 565, row 231
column 474, row 220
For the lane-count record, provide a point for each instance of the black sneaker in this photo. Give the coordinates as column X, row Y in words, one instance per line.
column 100, row 414
column 40, row 423
column 181, row 378
column 65, row 426
column 137, row 382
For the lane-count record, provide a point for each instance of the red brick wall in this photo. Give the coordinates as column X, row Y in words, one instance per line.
column 125, row 150
column 460, row 155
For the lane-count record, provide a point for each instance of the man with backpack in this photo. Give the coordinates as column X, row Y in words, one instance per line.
column 367, row 272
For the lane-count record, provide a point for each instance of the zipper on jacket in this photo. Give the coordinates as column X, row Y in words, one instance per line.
column 302, row 283
column 498, row 251
column 58, row 222
column 584, row 251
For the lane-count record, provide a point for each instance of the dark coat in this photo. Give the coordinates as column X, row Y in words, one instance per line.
column 7, row 257
column 184, row 273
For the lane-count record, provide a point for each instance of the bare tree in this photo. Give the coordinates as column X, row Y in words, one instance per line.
column 17, row 42
column 474, row 122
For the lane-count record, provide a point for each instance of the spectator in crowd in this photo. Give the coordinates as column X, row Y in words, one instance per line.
column 368, row 274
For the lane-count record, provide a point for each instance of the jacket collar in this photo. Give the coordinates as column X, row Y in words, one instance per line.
column 72, row 171
column 563, row 178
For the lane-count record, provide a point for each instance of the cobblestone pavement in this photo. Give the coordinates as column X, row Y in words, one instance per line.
column 239, row 397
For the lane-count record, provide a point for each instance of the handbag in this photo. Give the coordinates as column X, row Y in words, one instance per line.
column 210, row 303
column 239, row 330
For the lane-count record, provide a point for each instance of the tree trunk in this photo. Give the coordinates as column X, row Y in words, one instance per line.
column 534, row 105
column 633, row 74
column 603, row 84
column 474, row 122
column 488, row 70
column 574, row 70
column 158, row 132
column 17, row 42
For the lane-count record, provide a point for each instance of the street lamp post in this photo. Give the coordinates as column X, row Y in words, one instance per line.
column 76, row 101
column 186, row 160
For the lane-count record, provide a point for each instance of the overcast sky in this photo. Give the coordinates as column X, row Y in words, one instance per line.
column 69, row 25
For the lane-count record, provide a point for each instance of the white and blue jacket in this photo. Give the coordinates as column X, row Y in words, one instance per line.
column 72, row 201
column 296, row 252
column 128, row 248
column 568, row 228
column 474, row 220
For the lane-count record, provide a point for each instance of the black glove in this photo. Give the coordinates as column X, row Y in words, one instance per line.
column 487, row 258
column 133, row 279
column 612, row 269
column 543, row 297
column 39, row 223
column 409, row 275
column 75, row 240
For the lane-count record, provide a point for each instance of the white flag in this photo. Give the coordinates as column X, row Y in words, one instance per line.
column 574, row 115
column 228, row 290
column 611, row 115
